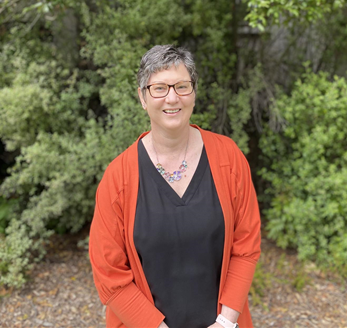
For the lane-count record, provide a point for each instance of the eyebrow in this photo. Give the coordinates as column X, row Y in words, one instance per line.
column 167, row 83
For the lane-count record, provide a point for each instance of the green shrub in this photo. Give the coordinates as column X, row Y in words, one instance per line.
column 67, row 121
column 63, row 149
column 15, row 254
column 68, row 101
column 306, row 166
column 5, row 212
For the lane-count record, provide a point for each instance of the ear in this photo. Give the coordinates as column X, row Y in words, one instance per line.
column 143, row 101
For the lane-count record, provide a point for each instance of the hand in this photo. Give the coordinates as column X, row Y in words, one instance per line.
column 163, row 325
column 229, row 313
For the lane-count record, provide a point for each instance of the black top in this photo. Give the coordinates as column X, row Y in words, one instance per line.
column 180, row 243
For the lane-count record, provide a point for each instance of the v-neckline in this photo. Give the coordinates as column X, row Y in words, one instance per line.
column 164, row 187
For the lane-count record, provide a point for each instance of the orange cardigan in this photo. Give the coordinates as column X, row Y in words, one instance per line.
column 117, row 270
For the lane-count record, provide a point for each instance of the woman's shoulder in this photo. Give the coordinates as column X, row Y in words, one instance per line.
column 118, row 172
column 221, row 144
column 124, row 158
column 127, row 160
column 222, row 150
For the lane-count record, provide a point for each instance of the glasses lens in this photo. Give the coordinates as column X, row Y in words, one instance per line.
column 158, row 90
column 184, row 88
column 161, row 90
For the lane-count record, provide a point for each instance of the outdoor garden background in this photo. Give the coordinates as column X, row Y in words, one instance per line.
column 272, row 76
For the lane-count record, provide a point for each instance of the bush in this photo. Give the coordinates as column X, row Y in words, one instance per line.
column 68, row 120
column 64, row 150
column 68, row 100
column 5, row 213
column 306, row 166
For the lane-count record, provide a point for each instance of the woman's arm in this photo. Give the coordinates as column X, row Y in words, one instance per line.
column 113, row 276
column 228, row 313
column 245, row 250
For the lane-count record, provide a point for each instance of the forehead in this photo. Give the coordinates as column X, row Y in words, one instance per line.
column 170, row 75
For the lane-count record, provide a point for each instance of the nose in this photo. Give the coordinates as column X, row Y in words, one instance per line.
column 172, row 96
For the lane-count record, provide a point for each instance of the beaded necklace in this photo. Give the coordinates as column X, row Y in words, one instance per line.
column 177, row 175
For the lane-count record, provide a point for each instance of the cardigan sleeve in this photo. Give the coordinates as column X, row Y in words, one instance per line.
column 246, row 235
column 112, row 274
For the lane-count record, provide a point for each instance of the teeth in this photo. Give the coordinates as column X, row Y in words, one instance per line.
column 171, row 111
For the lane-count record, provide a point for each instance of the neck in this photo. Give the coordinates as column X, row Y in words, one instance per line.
column 170, row 142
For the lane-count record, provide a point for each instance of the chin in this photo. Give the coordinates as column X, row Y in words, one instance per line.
column 177, row 125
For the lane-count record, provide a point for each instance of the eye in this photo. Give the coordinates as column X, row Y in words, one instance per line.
column 159, row 87
column 182, row 86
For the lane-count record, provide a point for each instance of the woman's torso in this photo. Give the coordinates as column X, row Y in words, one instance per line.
column 180, row 243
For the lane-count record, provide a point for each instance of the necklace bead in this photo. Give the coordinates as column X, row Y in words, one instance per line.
column 177, row 175
column 171, row 177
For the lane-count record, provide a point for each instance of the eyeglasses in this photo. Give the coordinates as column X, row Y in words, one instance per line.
column 161, row 90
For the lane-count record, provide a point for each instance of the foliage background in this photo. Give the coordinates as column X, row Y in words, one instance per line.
column 271, row 76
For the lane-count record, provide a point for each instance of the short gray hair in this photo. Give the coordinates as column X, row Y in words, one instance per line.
column 162, row 57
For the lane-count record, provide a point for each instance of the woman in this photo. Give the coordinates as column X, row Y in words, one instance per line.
column 176, row 231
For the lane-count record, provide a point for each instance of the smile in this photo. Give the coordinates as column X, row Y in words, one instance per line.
column 171, row 111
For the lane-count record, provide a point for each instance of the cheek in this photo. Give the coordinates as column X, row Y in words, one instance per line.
column 155, row 104
column 190, row 102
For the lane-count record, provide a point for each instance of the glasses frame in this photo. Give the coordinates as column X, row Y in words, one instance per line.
column 168, row 90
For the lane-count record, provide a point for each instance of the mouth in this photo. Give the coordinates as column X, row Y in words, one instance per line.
column 171, row 111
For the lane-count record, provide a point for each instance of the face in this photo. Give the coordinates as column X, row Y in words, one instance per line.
column 173, row 111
